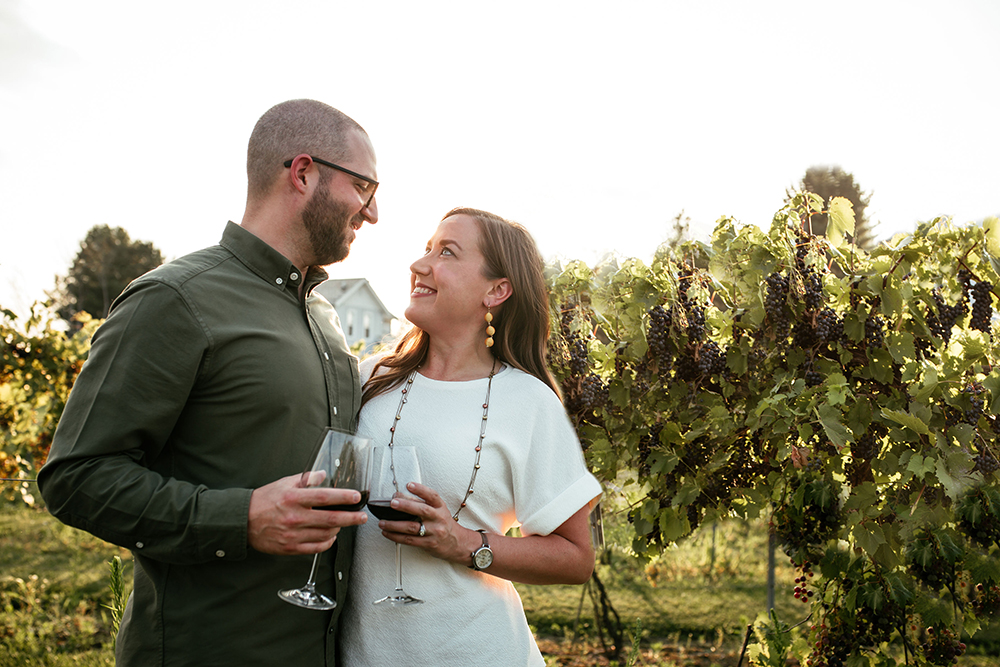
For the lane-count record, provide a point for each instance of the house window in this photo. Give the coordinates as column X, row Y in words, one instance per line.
column 350, row 323
column 368, row 326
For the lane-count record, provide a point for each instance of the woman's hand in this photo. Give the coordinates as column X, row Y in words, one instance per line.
column 443, row 538
column 565, row 556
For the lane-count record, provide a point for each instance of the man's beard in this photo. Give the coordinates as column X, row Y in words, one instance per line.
column 327, row 222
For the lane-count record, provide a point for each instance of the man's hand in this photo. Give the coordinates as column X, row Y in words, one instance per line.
column 282, row 520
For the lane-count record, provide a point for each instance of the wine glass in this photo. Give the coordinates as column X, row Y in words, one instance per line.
column 393, row 467
column 342, row 462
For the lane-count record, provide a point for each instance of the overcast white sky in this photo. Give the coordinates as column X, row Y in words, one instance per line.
column 593, row 123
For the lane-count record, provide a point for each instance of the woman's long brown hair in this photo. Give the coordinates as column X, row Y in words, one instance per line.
column 521, row 322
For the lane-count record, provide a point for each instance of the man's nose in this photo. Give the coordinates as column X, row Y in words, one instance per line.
column 370, row 212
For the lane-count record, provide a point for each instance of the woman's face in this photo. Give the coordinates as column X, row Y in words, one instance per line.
column 448, row 290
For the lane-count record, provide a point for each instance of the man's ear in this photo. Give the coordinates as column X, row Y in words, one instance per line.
column 298, row 170
column 499, row 293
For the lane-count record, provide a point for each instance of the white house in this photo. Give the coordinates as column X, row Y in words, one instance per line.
column 362, row 314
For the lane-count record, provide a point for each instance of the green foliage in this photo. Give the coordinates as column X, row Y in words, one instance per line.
column 38, row 365
column 774, row 641
column 108, row 260
column 119, row 595
column 850, row 395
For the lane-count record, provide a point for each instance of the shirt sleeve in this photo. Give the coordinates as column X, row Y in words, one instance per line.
column 554, row 482
column 107, row 471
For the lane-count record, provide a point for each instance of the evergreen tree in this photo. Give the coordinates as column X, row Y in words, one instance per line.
column 832, row 181
column 107, row 262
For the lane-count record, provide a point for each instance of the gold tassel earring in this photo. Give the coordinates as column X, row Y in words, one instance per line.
column 489, row 328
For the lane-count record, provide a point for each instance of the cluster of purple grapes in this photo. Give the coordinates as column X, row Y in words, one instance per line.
column 593, row 393
column 926, row 563
column 829, row 326
column 696, row 323
column 834, row 640
column 711, row 359
column 941, row 646
column 802, row 530
column 973, row 391
column 813, row 288
column 813, row 377
column 874, row 331
column 977, row 515
column 985, row 461
column 947, row 316
column 660, row 321
column 802, row 591
column 986, row 599
column 982, row 306
column 579, row 362
column 774, row 303
column 866, row 447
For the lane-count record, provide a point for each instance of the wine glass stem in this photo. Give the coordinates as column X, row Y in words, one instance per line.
column 399, row 568
column 311, row 584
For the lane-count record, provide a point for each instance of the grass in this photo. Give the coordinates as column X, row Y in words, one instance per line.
column 694, row 602
column 53, row 588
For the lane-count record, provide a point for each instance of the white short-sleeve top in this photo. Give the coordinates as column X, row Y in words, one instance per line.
column 532, row 473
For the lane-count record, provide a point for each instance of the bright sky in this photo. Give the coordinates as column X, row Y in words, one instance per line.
column 593, row 123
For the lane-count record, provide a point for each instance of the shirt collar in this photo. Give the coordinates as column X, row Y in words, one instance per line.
column 266, row 262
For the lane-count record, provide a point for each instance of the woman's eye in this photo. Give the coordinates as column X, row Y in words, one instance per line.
column 446, row 251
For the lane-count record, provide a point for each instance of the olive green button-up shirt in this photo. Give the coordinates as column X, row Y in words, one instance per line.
column 211, row 377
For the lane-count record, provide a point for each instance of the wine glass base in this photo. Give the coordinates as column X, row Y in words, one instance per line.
column 399, row 599
column 307, row 599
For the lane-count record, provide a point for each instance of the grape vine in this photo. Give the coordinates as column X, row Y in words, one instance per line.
column 850, row 397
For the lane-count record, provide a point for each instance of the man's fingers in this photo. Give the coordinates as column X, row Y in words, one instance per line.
column 343, row 500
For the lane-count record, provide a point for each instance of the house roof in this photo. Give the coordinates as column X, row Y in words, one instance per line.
column 338, row 291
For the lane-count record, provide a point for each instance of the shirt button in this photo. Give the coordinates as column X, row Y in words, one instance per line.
column 294, row 276
column 220, row 553
column 138, row 545
column 278, row 280
column 340, row 576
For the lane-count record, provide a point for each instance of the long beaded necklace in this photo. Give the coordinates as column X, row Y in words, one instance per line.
column 479, row 445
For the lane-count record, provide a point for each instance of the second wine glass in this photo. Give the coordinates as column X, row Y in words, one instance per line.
column 393, row 467
column 342, row 462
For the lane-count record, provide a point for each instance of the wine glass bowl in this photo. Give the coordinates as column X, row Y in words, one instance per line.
column 342, row 462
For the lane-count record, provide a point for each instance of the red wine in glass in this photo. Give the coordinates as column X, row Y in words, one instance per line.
column 382, row 510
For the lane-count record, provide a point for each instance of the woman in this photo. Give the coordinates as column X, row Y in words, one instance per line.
column 476, row 354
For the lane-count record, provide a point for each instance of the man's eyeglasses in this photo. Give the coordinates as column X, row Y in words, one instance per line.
column 370, row 188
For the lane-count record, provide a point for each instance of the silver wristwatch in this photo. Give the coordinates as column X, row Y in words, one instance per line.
column 482, row 557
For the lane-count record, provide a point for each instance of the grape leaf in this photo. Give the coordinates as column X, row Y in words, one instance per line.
column 841, row 220
column 833, row 423
column 673, row 525
column 992, row 228
column 869, row 537
column 907, row 420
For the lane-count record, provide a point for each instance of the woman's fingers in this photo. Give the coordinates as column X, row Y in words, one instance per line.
column 426, row 493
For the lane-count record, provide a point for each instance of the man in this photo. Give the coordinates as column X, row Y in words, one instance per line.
column 203, row 400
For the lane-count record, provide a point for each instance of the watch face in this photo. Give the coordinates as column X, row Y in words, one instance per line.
column 484, row 558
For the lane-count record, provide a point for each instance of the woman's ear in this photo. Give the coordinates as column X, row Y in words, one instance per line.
column 499, row 293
